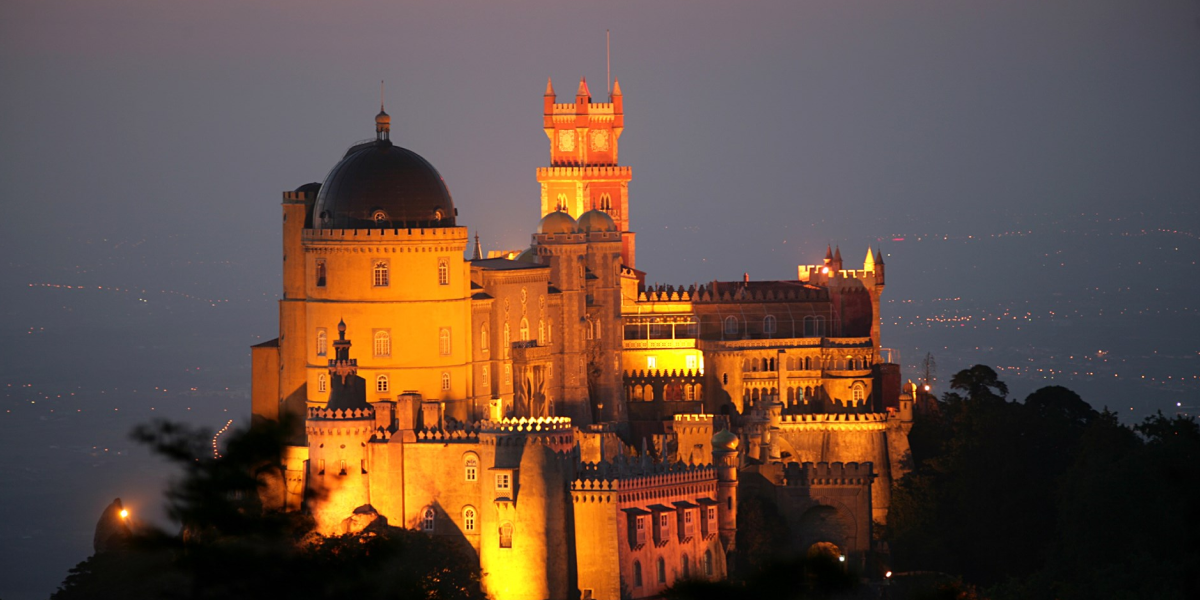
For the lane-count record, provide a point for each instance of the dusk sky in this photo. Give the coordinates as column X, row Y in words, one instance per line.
column 1019, row 157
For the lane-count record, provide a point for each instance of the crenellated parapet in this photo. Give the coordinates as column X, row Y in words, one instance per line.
column 833, row 421
column 324, row 414
column 629, row 475
column 527, row 425
column 829, row 474
column 615, row 172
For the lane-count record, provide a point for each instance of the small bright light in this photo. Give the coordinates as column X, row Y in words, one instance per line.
column 888, row 574
column 825, row 270
column 124, row 513
column 841, row 558
column 927, row 388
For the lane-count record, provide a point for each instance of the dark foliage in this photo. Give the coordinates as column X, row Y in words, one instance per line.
column 231, row 548
column 1049, row 498
column 819, row 576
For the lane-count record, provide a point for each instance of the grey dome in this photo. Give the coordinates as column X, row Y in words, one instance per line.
column 378, row 184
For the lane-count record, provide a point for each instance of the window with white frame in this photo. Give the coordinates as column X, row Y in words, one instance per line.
column 469, row 519
column 504, row 482
column 731, row 325
column 444, row 341
column 651, row 362
column 858, row 392
column 380, row 276
column 381, row 383
column 322, row 341
column 541, row 333
column 524, row 331
column 383, row 343
column 443, row 271
column 483, row 339
column 471, row 468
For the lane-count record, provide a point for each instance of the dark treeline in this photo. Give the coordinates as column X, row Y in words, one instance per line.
column 1049, row 498
column 229, row 547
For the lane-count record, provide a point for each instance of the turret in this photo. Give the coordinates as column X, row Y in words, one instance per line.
column 618, row 102
column 837, row 260
column 548, row 105
column 725, row 458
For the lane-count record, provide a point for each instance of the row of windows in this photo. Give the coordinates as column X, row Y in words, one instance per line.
column 691, row 363
column 543, row 335
column 671, row 392
column 660, row 569
column 383, row 342
column 814, row 326
column 858, row 393
column 381, row 273
column 382, row 383
column 470, row 522
column 795, row 363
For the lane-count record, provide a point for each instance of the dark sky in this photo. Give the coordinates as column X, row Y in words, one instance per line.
column 1040, row 160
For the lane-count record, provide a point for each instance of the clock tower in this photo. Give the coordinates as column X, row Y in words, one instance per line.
column 583, row 174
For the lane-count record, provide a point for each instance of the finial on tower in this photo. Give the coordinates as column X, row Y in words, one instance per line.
column 383, row 121
column 341, row 329
column 616, row 87
column 478, row 253
column 550, row 87
column 583, row 88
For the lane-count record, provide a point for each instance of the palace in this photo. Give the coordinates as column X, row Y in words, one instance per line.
column 586, row 435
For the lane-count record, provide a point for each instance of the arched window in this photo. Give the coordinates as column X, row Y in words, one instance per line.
column 699, row 390
column 637, row 574
column 524, row 331
column 541, row 333
column 819, row 322
column 320, row 272
column 688, row 392
column 444, row 341
column 708, row 563
column 661, row 570
column 443, row 271
column 605, row 202
column 381, row 383
column 321, row 383
column 808, row 393
column 445, row 381
column 791, row 363
column 857, row 392
column 507, row 340
column 769, row 324
column 483, row 339
column 562, row 202
column 469, row 519
column 807, row 364
column 322, row 342
column 428, row 518
column 638, row 392
column 731, row 325
column 684, row 569
column 506, row 535
column 745, row 365
column 383, row 343
column 791, row 396
column 754, row 395
column 380, row 276
column 725, row 378
column 471, row 468
column 649, row 393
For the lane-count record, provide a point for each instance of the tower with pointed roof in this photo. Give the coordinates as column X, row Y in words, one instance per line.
column 584, row 173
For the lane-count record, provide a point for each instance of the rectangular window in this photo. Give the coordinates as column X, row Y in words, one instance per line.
column 641, row 530
column 322, row 341
column 380, row 276
column 691, row 363
column 484, row 376
column 443, row 271
column 320, row 268
column 507, row 374
column 503, row 482
column 651, row 362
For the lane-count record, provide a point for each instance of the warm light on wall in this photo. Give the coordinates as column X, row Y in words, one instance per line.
column 124, row 513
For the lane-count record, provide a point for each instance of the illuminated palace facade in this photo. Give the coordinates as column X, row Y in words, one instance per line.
column 584, row 434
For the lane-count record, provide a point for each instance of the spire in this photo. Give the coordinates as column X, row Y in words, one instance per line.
column 383, row 122
column 478, row 253
column 550, row 88
column 837, row 254
column 869, row 261
column 583, row 88
column 617, row 87
column 879, row 257
column 828, row 254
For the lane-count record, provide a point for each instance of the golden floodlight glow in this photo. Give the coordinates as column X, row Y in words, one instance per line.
column 825, row 270
column 124, row 513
